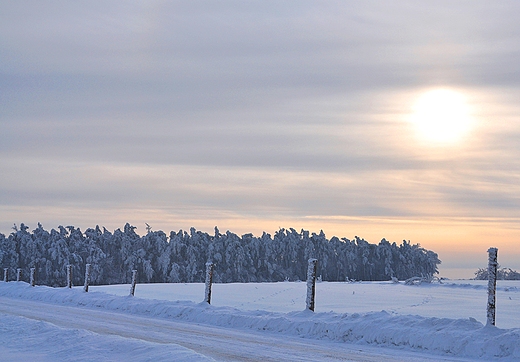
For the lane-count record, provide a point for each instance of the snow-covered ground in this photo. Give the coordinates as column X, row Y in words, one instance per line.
column 353, row 321
column 453, row 299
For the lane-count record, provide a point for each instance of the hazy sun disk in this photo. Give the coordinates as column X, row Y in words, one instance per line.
column 441, row 116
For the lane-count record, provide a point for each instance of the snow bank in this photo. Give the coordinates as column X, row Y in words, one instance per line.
column 28, row 340
column 454, row 337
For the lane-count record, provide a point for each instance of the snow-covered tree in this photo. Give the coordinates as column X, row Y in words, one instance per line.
column 181, row 256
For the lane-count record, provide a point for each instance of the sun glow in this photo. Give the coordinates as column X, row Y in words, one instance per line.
column 441, row 116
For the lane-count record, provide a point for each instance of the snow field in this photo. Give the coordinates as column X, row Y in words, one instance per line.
column 453, row 299
column 437, row 319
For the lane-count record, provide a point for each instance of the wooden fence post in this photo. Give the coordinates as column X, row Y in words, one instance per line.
column 134, row 282
column 209, row 281
column 32, row 280
column 311, row 284
column 87, row 278
column 19, row 274
column 492, row 285
column 69, row 276
column 6, row 275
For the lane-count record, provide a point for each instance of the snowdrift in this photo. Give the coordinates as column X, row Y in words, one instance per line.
column 443, row 336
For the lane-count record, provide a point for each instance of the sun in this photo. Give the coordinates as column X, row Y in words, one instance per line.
column 441, row 116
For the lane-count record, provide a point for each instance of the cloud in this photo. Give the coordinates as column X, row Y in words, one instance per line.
column 248, row 111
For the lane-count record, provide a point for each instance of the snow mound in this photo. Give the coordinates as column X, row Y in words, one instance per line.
column 51, row 343
column 443, row 336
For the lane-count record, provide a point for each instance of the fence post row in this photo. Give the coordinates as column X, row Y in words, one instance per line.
column 311, row 283
column 32, row 280
column 134, row 282
column 492, row 285
column 87, row 278
column 209, row 281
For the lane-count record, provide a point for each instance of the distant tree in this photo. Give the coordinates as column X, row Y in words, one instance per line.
column 502, row 274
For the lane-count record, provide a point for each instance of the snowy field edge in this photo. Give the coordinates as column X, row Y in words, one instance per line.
column 444, row 336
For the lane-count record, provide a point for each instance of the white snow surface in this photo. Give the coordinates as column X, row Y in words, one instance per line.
column 443, row 321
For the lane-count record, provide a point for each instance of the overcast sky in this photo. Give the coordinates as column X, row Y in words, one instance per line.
column 255, row 115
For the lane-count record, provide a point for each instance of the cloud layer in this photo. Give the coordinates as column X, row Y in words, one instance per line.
column 195, row 112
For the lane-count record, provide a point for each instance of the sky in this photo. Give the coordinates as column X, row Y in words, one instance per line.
column 396, row 120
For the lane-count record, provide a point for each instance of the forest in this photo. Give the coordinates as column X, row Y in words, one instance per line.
column 180, row 257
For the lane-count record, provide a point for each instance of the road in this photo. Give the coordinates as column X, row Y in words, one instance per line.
column 221, row 344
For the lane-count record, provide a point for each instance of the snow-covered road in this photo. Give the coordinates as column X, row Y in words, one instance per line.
column 147, row 338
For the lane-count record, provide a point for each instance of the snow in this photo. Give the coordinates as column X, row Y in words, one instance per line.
column 29, row 340
column 445, row 321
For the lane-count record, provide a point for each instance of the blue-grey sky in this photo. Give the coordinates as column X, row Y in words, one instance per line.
column 255, row 115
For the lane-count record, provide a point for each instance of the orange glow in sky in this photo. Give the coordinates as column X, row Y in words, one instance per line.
column 396, row 120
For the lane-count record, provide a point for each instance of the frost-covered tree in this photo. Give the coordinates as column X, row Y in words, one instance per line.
column 181, row 256
column 95, row 256
column 502, row 274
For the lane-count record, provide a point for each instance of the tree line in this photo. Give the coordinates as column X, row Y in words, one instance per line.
column 502, row 274
column 181, row 256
